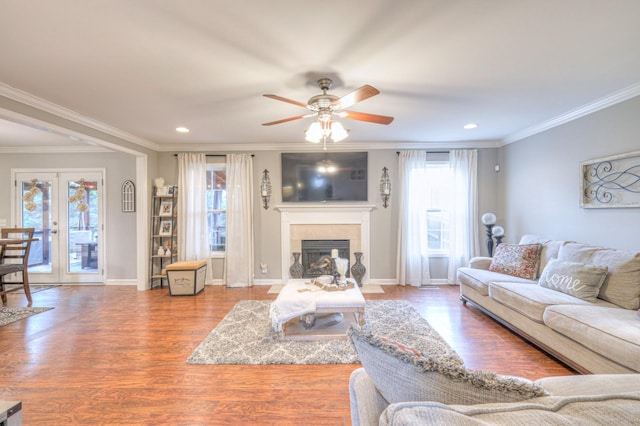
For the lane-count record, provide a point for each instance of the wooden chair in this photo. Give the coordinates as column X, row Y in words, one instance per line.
column 14, row 257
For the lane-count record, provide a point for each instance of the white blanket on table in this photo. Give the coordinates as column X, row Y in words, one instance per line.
column 292, row 303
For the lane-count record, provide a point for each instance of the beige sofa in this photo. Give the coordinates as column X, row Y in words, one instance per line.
column 598, row 334
column 401, row 385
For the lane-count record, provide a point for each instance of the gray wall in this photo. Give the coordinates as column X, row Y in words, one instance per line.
column 121, row 255
column 541, row 181
column 384, row 222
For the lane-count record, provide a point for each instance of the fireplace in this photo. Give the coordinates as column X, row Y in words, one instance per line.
column 306, row 221
column 313, row 252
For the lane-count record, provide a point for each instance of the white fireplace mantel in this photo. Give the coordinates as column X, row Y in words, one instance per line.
column 323, row 214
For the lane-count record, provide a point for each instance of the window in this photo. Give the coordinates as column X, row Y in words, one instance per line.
column 438, row 200
column 217, row 206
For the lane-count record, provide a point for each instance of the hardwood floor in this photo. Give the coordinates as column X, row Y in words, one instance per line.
column 114, row 355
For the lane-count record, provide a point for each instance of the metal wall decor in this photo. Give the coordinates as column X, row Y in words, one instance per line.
column 385, row 187
column 611, row 182
column 265, row 189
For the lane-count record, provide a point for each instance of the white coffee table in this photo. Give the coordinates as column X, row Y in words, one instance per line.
column 305, row 312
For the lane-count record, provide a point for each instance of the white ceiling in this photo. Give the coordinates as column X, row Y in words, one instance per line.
column 144, row 67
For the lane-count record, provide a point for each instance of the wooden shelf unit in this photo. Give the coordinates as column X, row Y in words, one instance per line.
column 164, row 221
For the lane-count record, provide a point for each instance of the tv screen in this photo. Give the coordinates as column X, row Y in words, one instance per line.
column 338, row 176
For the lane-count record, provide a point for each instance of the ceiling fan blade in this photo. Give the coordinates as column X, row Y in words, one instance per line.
column 358, row 95
column 280, row 98
column 284, row 120
column 362, row 116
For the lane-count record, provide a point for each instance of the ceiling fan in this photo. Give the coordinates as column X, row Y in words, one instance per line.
column 326, row 105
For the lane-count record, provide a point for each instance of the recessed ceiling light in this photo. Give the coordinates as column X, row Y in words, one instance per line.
column 470, row 126
column 182, row 130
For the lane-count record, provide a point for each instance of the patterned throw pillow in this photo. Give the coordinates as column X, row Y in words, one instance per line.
column 517, row 260
column 574, row 278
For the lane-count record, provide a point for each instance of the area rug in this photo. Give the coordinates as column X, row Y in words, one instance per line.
column 13, row 314
column 34, row 288
column 365, row 289
column 244, row 336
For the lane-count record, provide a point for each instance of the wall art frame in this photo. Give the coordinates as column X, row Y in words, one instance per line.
column 166, row 209
column 128, row 196
column 166, row 228
column 611, row 182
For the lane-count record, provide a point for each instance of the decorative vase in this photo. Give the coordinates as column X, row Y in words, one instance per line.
column 296, row 270
column 357, row 269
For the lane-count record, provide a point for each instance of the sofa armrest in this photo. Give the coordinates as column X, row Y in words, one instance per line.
column 590, row 384
column 480, row 262
column 367, row 404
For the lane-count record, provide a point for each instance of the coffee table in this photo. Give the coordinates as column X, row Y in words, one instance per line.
column 303, row 311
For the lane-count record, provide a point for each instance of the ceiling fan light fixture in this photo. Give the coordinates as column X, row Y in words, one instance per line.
column 314, row 133
column 338, row 132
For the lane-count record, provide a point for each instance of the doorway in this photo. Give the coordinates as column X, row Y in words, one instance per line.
column 66, row 210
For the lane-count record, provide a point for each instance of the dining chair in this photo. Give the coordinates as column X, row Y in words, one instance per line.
column 14, row 258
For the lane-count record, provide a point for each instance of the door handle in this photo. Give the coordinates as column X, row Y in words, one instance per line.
column 54, row 231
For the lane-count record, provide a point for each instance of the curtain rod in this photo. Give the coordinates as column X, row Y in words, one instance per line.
column 432, row 152
column 215, row 155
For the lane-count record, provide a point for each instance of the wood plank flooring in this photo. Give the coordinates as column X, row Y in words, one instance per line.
column 114, row 355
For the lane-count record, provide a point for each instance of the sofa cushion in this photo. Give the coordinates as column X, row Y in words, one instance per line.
column 610, row 331
column 531, row 300
column 621, row 410
column 622, row 285
column 574, row 278
column 404, row 374
column 479, row 279
column 549, row 250
column 518, row 260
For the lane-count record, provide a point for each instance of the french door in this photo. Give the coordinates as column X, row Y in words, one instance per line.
column 66, row 210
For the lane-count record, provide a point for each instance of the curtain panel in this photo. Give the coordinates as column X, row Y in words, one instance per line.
column 193, row 241
column 412, row 267
column 239, row 260
column 463, row 235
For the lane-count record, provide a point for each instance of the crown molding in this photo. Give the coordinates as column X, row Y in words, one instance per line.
column 60, row 111
column 340, row 146
column 597, row 105
column 58, row 149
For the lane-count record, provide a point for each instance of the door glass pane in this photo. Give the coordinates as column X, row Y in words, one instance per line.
column 36, row 213
column 82, row 226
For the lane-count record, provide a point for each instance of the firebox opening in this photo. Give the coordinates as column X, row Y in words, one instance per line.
column 313, row 252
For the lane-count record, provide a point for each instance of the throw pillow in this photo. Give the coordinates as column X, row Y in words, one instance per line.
column 622, row 285
column 403, row 374
column 517, row 260
column 574, row 278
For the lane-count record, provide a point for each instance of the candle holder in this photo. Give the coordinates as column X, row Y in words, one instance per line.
column 265, row 189
column 493, row 232
column 385, row 187
column 489, row 220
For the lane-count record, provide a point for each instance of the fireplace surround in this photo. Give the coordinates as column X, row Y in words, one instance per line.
column 324, row 222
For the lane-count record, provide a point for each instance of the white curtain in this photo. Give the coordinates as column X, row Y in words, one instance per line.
column 463, row 234
column 193, row 241
column 412, row 266
column 239, row 262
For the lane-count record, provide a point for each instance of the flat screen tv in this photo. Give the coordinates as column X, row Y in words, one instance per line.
column 319, row 177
